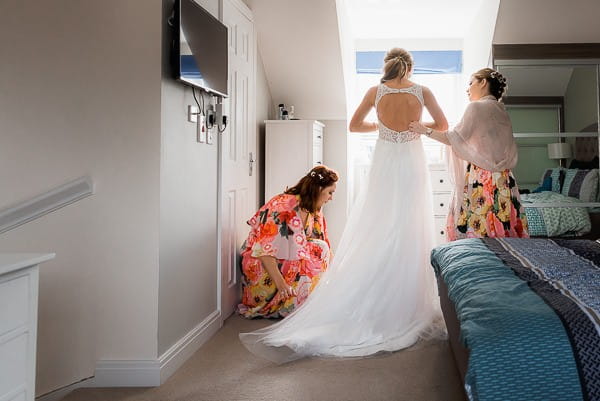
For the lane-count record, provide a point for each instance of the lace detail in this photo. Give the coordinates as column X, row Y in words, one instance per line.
column 388, row 134
column 415, row 90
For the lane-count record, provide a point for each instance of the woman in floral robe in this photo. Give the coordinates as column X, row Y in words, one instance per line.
column 486, row 200
column 287, row 248
column 491, row 207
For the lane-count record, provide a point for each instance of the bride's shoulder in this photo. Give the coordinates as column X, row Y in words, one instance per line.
column 427, row 93
column 372, row 93
column 424, row 89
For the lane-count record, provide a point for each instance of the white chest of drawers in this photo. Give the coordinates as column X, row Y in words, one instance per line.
column 442, row 190
column 19, row 274
column 292, row 148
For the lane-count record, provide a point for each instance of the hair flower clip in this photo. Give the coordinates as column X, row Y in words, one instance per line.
column 315, row 174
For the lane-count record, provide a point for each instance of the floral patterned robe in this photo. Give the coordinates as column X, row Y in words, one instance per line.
column 490, row 207
column 302, row 254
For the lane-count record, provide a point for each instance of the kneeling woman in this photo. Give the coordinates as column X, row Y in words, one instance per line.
column 287, row 248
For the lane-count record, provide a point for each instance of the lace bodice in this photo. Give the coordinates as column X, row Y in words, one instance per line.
column 388, row 134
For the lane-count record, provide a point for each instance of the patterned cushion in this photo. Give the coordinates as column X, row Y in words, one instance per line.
column 581, row 184
column 558, row 176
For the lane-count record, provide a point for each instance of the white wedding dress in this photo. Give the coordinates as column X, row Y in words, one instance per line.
column 379, row 293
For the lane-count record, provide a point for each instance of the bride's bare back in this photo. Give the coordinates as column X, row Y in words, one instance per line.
column 397, row 110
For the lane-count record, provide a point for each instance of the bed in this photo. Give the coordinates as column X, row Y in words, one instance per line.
column 523, row 316
column 560, row 206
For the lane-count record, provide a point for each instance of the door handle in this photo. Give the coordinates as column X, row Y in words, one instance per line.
column 251, row 164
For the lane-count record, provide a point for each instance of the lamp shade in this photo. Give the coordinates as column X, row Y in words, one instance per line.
column 559, row 150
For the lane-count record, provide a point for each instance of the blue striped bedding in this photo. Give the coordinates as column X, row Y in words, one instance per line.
column 529, row 314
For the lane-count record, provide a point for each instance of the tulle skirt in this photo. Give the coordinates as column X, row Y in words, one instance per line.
column 379, row 293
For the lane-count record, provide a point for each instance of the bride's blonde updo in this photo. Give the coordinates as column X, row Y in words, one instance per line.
column 397, row 63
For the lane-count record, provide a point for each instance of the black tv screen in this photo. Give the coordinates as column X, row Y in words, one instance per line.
column 200, row 48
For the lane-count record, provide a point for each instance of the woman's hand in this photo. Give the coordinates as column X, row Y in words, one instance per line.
column 417, row 127
column 284, row 290
column 270, row 265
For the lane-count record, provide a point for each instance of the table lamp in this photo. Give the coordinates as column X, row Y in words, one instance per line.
column 560, row 151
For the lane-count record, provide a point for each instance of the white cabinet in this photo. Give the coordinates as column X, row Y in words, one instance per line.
column 18, row 324
column 442, row 190
column 292, row 148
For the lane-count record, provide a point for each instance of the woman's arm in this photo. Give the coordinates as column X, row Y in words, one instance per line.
column 270, row 265
column 439, row 136
column 358, row 123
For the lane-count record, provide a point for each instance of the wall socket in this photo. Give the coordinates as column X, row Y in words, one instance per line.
column 211, row 117
column 210, row 136
column 201, row 130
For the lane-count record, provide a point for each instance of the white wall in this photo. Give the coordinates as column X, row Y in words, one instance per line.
column 188, row 210
column 477, row 44
column 548, row 21
column 300, row 47
column 80, row 94
column 335, row 156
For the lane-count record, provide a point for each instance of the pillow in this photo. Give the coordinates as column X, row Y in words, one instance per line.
column 546, row 185
column 558, row 177
column 581, row 184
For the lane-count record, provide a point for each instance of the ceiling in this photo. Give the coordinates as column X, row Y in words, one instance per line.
column 299, row 43
column 536, row 80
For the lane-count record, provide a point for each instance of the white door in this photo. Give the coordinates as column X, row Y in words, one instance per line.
column 236, row 144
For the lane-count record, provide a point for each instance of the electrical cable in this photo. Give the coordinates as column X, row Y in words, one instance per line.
column 196, row 99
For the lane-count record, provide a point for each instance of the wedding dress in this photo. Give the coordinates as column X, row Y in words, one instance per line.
column 379, row 292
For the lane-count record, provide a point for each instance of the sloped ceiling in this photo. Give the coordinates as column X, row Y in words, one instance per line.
column 547, row 21
column 537, row 80
column 300, row 47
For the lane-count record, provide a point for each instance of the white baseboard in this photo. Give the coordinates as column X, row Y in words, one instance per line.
column 145, row 373
column 142, row 373
column 180, row 352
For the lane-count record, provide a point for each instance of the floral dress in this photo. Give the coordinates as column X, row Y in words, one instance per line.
column 302, row 254
column 490, row 207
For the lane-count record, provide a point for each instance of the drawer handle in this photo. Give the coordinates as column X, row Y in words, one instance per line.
column 319, row 136
column 442, row 232
column 319, row 162
column 441, row 204
column 441, row 181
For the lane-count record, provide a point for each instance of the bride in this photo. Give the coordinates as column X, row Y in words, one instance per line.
column 379, row 293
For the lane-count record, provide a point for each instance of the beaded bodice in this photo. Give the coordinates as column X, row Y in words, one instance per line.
column 388, row 134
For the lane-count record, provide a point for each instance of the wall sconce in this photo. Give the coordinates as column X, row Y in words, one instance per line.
column 560, row 151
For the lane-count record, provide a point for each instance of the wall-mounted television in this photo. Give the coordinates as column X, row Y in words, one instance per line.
column 199, row 48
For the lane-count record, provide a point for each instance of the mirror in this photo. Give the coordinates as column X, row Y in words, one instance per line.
column 550, row 104
column 554, row 108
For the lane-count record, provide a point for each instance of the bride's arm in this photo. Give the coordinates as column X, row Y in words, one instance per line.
column 439, row 119
column 436, row 130
column 358, row 123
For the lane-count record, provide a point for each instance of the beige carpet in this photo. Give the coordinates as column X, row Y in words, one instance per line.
column 223, row 370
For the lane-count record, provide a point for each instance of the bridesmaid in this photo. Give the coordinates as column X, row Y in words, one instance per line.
column 486, row 201
column 287, row 248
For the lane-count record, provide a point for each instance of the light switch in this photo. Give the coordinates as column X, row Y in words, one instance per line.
column 192, row 113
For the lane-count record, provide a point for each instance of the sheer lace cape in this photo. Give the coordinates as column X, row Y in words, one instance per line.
column 483, row 137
